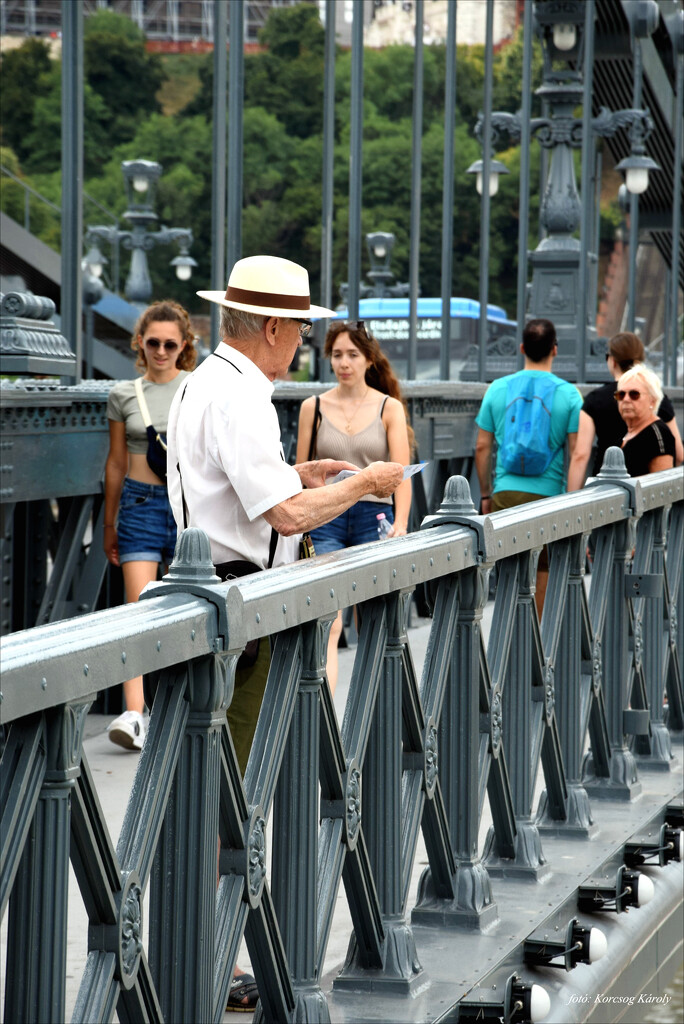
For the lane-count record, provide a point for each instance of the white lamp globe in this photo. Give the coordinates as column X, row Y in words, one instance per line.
column 183, row 272
column 564, row 37
column 140, row 183
column 598, row 945
column 540, row 1004
column 637, row 180
column 645, row 890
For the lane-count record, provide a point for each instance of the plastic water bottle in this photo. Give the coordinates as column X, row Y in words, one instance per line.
column 384, row 526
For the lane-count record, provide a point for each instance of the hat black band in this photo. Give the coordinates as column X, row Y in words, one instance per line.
column 267, row 299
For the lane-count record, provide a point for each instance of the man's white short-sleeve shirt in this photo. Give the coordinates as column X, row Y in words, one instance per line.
column 223, row 429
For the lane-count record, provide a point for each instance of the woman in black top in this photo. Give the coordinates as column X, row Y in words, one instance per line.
column 648, row 445
column 600, row 417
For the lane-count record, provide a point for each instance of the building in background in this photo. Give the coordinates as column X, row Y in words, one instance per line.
column 393, row 22
column 187, row 24
column 182, row 22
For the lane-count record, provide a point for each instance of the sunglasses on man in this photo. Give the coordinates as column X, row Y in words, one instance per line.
column 304, row 327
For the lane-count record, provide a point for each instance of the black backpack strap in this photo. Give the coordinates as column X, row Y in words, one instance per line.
column 314, row 430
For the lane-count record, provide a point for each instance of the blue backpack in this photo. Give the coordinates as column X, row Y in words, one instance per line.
column 525, row 449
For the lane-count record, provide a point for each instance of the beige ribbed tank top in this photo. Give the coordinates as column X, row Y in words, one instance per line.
column 366, row 446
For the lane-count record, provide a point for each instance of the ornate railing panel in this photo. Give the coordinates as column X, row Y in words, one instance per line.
column 347, row 802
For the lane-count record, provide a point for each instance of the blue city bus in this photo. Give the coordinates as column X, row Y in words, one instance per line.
column 388, row 321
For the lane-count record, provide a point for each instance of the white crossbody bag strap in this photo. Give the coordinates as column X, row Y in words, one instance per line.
column 144, row 411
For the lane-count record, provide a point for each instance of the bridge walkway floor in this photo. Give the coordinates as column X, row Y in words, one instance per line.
column 453, row 960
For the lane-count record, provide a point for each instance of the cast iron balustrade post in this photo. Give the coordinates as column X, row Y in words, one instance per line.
column 466, row 899
column 568, row 692
column 654, row 750
column 518, row 575
column 295, row 832
column 382, row 823
column 184, row 874
column 37, row 929
column 675, row 612
column 613, row 557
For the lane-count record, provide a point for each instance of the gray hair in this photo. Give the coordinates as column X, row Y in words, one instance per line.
column 242, row 326
column 650, row 379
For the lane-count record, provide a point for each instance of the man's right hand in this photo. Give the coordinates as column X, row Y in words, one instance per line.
column 385, row 477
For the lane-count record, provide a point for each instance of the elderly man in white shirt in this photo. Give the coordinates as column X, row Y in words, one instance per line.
column 227, row 473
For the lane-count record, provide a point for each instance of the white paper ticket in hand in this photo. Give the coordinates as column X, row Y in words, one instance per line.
column 416, row 467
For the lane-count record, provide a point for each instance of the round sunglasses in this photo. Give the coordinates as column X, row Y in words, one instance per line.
column 165, row 346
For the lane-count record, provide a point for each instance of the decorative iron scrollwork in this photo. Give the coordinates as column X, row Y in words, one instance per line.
column 549, row 688
column 638, row 643
column 130, row 923
column 431, row 770
column 352, row 804
column 256, row 847
column 596, row 663
column 496, row 721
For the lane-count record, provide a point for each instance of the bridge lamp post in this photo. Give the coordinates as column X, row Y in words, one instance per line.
column 380, row 245
column 140, row 177
column 556, row 291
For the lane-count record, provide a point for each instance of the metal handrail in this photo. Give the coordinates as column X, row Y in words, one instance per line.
column 28, row 189
column 186, row 635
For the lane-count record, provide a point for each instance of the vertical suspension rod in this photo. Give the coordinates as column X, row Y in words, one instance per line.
column 486, row 168
column 416, row 179
column 448, row 191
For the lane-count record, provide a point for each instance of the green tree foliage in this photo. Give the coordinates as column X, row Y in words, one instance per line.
column 121, row 72
column 283, row 149
column 22, row 83
column 43, row 136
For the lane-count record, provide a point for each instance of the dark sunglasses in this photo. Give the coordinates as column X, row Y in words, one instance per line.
column 305, row 327
column 165, row 346
column 634, row 395
column 357, row 325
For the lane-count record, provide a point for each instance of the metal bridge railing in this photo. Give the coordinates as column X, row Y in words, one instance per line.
column 348, row 802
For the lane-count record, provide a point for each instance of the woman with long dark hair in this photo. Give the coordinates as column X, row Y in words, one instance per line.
column 139, row 528
column 363, row 419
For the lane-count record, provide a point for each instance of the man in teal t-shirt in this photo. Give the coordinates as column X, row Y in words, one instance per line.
column 539, row 347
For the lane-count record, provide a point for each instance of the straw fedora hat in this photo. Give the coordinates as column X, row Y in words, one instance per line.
column 270, row 286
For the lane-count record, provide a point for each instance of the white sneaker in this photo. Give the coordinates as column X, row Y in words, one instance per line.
column 128, row 730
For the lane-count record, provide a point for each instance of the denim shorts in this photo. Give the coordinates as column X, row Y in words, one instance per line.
column 358, row 525
column 146, row 528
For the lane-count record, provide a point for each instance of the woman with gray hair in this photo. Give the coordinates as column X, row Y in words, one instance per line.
column 648, row 445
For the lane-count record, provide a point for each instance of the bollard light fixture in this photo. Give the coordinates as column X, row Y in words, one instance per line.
column 661, row 849
column 631, row 889
column 578, row 946
column 140, row 177
column 521, row 1004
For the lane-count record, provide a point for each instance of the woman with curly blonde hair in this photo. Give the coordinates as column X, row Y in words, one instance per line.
column 139, row 528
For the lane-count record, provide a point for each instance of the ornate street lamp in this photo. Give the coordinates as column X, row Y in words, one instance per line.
column 379, row 245
column 555, row 291
column 141, row 178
